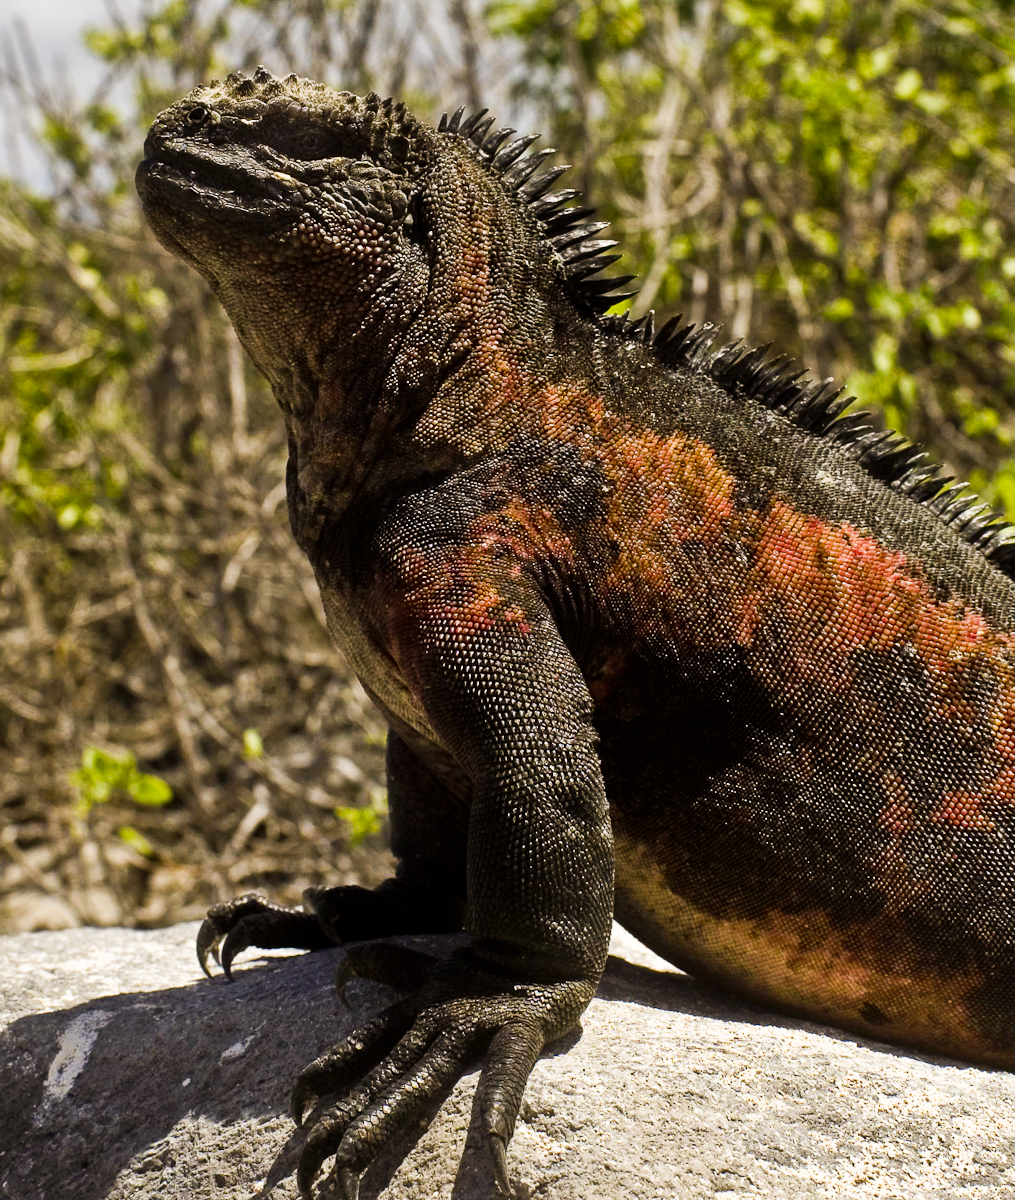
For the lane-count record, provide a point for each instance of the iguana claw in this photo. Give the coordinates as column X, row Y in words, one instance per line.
column 411, row 1054
column 253, row 920
column 498, row 1152
column 207, row 943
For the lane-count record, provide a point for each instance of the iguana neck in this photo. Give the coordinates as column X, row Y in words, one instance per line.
column 418, row 382
column 334, row 377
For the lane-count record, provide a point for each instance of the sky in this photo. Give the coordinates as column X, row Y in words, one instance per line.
column 55, row 29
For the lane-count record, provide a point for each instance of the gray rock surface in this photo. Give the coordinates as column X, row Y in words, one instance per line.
column 127, row 1076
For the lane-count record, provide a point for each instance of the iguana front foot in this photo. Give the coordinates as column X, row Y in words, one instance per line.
column 254, row 920
column 329, row 917
column 411, row 1053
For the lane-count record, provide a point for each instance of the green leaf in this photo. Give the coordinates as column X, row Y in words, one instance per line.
column 364, row 821
column 135, row 840
column 149, row 790
column 908, row 84
column 253, row 747
column 90, row 790
column 883, row 352
column 101, row 773
column 69, row 516
column 839, row 310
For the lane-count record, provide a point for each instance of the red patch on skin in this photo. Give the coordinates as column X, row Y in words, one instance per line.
column 850, row 593
column 961, row 809
column 672, row 486
column 1002, row 790
column 515, row 616
column 667, row 491
column 531, row 532
column 465, row 613
column 453, row 595
column 897, row 817
column 557, row 406
column 842, row 586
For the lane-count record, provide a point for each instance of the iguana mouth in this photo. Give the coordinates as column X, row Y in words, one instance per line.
column 252, row 190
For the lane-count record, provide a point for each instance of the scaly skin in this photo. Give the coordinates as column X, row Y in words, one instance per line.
column 625, row 605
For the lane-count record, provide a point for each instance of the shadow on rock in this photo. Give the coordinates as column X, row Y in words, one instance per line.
column 93, row 1086
column 104, row 1086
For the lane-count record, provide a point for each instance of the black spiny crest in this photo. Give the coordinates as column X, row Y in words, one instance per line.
column 818, row 407
column 567, row 230
column 814, row 406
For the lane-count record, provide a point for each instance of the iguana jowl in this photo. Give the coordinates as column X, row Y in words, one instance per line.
column 630, row 605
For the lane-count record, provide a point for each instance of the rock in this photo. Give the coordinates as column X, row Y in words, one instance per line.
column 127, row 1075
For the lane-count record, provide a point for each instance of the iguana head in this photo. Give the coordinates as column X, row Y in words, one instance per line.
column 293, row 200
column 311, row 211
column 266, row 175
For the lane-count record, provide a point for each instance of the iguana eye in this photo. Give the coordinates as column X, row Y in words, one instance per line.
column 197, row 115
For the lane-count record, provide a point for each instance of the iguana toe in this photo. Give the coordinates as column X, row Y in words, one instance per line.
column 385, row 962
column 411, row 1054
column 252, row 920
column 351, row 1057
column 498, row 1152
column 418, row 1071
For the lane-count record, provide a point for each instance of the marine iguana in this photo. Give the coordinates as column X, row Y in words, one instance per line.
column 657, row 630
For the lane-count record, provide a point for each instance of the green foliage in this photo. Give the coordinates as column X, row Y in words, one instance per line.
column 69, row 344
column 135, row 840
column 101, row 776
column 846, row 169
column 173, row 34
column 365, row 821
column 68, row 144
column 253, row 747
column 603, row 27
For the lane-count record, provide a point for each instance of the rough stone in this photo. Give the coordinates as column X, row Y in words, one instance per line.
column 127, row 1076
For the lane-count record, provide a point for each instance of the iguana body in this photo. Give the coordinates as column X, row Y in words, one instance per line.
column 595, row 580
